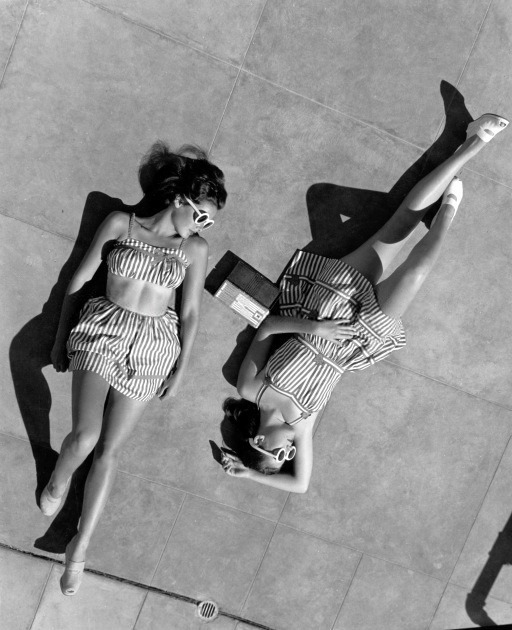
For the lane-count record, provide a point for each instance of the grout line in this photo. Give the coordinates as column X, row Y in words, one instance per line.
column 41, row 595
column 474, row 43
column 140, row 610
column 457, row 82
column 249, row 590
column 37, row 227
column 347, row 592
column 14, row 43
column 161, row 34
column 337, row 111
column 477, row 513
column 198, row 496
column 446, row 384
column 184, row 498
column 236, row 80
column 140, row 585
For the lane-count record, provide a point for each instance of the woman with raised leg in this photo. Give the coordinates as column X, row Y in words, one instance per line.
column 342, row 317
column 130, row 346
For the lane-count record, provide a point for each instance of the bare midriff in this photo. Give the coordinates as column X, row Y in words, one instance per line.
column 140, row 296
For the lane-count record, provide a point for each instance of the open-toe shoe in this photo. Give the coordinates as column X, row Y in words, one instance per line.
column 486, row 127
column 72, row 576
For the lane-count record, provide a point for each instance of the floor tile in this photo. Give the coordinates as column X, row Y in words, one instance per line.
column 22, row 581
column 367, row 58
column 11, row 14
column 134, row 528
column 384, row 595
column 487, row 87
column 402, row 464
column 452, row 612
column 36, row 400
column 22, row 522
column 85, row 95
column 223, row 547
column 170, row 444
column 484, row 565
column 100, row 603
column 160, row 611
column 299, row 167
column 457, row 326
column 222, row 29
column 301, row 582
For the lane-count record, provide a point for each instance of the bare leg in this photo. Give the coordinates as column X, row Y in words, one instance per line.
column 396, row 292
column 121, row 416
column 374, row 256
column 89, row 391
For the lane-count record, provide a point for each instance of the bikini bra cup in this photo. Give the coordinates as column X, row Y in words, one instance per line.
column 131, row 258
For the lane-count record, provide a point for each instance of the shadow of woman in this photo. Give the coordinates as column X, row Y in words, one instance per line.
column 29, row 353
column 500, row 555
column 343, row 218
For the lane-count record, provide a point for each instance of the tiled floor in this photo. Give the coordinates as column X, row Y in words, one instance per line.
column 313, row 110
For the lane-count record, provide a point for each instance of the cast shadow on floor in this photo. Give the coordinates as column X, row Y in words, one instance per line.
column 30, row 352
column 343, row 218
column 500, row 555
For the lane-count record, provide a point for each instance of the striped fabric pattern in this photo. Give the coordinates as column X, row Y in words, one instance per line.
column 307, row 368
column 134, row 353
column 132, row 258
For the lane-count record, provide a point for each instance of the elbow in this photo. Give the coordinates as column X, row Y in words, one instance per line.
column 241, row 389
column 301, row 487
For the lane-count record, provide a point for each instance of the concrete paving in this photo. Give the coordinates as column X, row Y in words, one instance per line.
column 313, row 110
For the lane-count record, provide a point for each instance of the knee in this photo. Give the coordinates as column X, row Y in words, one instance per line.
column 83, row 442
column 107, row 452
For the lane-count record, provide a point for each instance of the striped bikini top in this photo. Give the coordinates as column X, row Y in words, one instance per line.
column 131, row 258
column 300, row 372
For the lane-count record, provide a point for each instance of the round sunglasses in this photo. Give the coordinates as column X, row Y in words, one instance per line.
column 280, row 456
column 201, row 217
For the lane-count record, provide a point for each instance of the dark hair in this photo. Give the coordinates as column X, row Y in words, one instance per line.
column 164, row 174
column 241, row 422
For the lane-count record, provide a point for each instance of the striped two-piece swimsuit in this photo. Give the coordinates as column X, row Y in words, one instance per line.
column 134, row 353
column 306, row 368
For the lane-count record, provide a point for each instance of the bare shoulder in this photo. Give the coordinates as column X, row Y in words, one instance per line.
column 196, row 249
column 117, row 223
column 304, row 428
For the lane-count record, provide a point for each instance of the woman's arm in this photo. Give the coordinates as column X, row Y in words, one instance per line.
column 298, row 480
column 248, row 383
column 113, row 227
column 193, row 285
column 332, row 329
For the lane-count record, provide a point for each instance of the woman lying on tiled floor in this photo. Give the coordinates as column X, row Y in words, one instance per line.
column 128, row 346
column 342, row 317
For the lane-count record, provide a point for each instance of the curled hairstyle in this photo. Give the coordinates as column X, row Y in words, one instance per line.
column 164, row 174
column 241, row 422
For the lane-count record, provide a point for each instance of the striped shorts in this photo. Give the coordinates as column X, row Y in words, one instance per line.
column 134, row 353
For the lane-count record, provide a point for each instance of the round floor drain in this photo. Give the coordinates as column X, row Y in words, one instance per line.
column 207, row 611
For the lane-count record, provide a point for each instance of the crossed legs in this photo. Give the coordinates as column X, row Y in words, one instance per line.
column 373, row 257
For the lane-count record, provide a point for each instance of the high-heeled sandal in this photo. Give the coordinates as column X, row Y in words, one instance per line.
column 72, row 577
column 452, row 196
column 49, row 504
column 486, row 127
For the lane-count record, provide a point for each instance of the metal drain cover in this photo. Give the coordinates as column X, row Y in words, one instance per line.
column 207, row 611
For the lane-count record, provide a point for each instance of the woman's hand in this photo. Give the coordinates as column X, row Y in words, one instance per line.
column 233, row 466
column 170, row 386
column 334, row 329
column 59, row 356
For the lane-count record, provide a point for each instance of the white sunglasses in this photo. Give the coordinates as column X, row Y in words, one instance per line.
column 201, row 217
